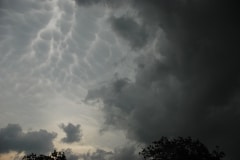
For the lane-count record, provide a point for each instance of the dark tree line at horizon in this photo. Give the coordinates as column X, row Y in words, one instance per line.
column 54, row 156
column 164, row 149
column 179, row 149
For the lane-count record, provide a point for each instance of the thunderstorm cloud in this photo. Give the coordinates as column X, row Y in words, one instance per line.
column 128, row 71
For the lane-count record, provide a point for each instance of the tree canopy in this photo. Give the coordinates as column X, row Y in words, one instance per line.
column 179, row 149
column 54, row 156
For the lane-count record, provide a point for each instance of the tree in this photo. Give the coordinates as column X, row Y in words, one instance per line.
column 54, row 156
column 179, row 149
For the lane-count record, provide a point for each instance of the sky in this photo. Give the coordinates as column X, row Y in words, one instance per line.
column 99, row 79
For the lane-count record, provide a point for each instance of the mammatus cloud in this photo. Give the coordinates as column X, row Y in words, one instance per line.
column 186, row 84
column 193, row 88
column 51, row 52
column 73, row 133
column 12, row 138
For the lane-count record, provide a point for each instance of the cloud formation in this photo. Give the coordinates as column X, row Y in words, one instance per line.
column 127, row 28
column 73, row 133
column 12, row 138
column 186, row 83
column 109, row 3
column 51, row 52
column 70, row 155
column 127, row 152
column 193, row 88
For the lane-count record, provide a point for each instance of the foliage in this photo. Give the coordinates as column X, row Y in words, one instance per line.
column 54, row 156
column 179, row 149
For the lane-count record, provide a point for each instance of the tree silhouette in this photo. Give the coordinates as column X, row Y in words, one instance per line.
column 54, row 156
column 179, row 149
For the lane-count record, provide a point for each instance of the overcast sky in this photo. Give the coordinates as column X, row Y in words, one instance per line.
column 101, row 78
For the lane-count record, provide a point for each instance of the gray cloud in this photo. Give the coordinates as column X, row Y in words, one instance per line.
column 70, row 155
column 12, row 138
column 50, row 53
column 86, row 2
column 130, row 30
column 194, row 88
column 109, row 3
column 44, row 54
column 97, row 155
column 118, row 154
column 124, row 153
column 73, row 133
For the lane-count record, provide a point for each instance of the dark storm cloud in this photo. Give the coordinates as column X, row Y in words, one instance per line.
column 110, row 3
column 194, row 89
column 73, row 133
column 130, row 30
column 12, row 138
column 86, row 2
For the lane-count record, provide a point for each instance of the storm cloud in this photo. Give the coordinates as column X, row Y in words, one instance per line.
column 108, row 3
column 193, row 88
column 73, row 133
column 130, row 30
column 12, row 138
column 127, row 152
column 51, row 53
column 156, row 67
